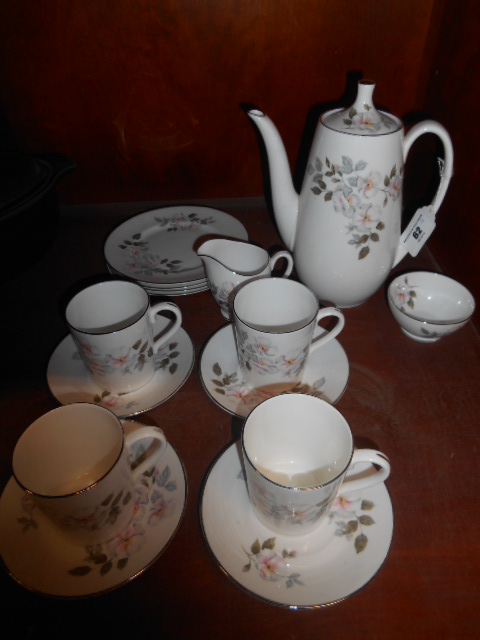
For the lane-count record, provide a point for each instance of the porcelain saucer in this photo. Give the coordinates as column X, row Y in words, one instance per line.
column 326, row 374
column 69, row 380
column 310, row 571
column 156, row 246
column 41, row 559
column 169, row 290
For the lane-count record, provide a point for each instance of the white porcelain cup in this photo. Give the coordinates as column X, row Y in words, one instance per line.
column 274, row 320
column 112, row 325
column 296, row 450
column 75, row 463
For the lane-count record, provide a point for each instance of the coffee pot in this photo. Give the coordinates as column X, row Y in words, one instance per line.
column 344, row 228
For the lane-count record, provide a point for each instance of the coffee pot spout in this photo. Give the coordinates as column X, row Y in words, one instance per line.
column 284, row 197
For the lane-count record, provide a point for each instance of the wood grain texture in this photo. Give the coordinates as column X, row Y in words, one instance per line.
column 453, row 93
column 146, row 96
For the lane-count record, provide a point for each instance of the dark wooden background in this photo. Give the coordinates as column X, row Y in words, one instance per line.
column 146, row 96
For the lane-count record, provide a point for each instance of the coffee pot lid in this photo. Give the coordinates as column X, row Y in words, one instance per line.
column 362, row 118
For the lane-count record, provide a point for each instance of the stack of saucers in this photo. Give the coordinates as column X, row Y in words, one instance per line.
column 156, row 248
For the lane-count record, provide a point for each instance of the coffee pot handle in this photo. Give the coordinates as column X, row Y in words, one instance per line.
column 445, row 169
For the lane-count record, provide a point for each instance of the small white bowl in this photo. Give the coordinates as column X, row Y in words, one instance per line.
column 428, row 306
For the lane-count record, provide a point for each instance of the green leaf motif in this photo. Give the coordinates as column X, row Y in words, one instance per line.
column 79, row 571
column 99, row 558
column 107, row 500
column 117, row 499
column 269, row 544
column 361, row 542
column 367, row 505
column 106, row 568
column 351, row 527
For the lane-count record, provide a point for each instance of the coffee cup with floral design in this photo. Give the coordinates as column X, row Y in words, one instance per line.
column 274, row 320
column 79, row 468
column 297, row 450
column 111, row 323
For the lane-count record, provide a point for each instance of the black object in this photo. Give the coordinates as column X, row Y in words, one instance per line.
column 28, row 207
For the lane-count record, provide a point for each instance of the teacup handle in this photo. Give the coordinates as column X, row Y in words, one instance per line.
column 278, row 256
column 374, row 457
column 158, row 308
column 328, row 335
column 143, row 433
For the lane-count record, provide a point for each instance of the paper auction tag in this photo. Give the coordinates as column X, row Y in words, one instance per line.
column 419, row 230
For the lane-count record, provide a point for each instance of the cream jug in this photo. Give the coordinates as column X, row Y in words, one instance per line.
column 229, row 263
column 344, row 227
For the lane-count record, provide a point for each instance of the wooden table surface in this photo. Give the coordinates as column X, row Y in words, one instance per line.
column 419, row 403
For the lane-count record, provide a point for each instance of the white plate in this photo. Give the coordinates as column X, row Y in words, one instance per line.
column 175, row 289
column 41, row 559
column 156, row 246
column 69, row 380
column 178, row 291
column 326, row 374
column 309, row 571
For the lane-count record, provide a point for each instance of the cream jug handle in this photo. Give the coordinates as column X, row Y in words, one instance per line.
column 289, row 262
column 446, row 172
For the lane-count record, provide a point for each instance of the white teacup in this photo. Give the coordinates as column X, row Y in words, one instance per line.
column 274, row 321
column 74, row 461
column 112, row 325
column 297, row 449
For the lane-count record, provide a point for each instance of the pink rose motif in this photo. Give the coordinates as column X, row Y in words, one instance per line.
column 370, row 184
column 269, row 566
column 128, row 542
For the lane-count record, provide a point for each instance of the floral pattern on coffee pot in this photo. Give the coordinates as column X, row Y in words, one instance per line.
column 344, row 227
column 359, row 193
